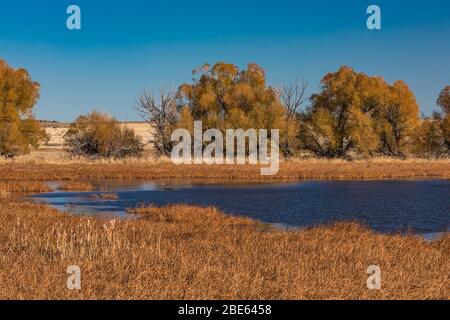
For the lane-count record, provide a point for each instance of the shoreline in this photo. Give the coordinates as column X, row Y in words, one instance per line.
column 292, row 170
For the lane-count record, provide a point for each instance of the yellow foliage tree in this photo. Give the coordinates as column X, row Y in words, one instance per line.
column 357, row 112
column 226, row 97
column 444, row 100
column 19, row 131
column 397, row 119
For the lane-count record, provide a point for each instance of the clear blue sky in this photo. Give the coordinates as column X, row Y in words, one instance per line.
column 126, row 46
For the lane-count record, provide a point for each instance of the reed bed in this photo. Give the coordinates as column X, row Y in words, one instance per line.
column 316, row 169
column 182, row 252
column 103, row 196
column 8, row 187
column 76, row 186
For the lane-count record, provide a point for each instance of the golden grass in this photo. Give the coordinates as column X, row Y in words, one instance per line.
column 182, row 252
column 289, row 170
column 104, row 196
column 14, row 187
column 76, row 186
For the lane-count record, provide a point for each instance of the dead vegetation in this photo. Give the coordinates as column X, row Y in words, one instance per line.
column 103, row 196
column 313, row 169
column 17, row 187
column 76, row 186
column 182, row 252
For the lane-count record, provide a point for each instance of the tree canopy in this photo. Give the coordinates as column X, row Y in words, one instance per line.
column 355, row 111
column 226, row 97
column 444, row 100
column 18, row 128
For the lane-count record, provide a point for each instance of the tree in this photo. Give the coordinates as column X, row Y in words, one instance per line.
column 445, row 127
column 19, row 131
column 357, row 112
column 226, row 97
column 293, row 97
column 444, row 100
column 397, row 119
column 162, row 113
column 98, row 135
column 431, row 138
column 339, row 118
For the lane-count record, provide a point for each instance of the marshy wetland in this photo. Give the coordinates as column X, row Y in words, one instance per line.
column 185, row 240
column 419, row 206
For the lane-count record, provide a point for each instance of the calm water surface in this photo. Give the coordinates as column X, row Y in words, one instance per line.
column 386, row 206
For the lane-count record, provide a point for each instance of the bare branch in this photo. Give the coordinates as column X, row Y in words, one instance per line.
column 294, row 96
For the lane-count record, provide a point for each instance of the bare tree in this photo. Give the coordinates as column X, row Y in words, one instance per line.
column 293, row 97
column 161, row 111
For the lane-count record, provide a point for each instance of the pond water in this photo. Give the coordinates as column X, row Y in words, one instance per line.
column 421, row 206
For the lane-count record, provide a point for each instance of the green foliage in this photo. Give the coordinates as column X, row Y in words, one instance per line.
column 19, row 131
column 98, row 135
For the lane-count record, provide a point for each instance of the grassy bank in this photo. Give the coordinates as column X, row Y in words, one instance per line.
column 193, row 253
column 289, row 170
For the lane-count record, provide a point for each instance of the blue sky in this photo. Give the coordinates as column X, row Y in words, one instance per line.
column 126, row 46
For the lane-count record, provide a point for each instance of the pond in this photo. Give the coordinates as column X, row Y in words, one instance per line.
column 421, row 206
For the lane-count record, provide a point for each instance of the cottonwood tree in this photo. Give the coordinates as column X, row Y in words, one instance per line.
column 225, row 97
column 339, row 116
column 161, row 111
column 433, row 137
column 19, row 131
column 444, row 100
column 357, row 112
column 397, row 119
column 430, row 140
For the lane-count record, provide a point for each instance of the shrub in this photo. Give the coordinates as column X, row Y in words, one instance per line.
column 98, row 135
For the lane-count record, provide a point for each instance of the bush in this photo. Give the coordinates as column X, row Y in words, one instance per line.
column 98, row 135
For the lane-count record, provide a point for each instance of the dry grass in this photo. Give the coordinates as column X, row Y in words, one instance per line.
column 104, row 196
column 289, row 170
column 76, row 186
column 184, row 252
column 13, row 187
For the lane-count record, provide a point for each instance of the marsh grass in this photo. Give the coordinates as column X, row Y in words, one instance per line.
column 103, row 196
column 317, row 169
column 182, row 252
column 76, row 186
column 8, row 187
